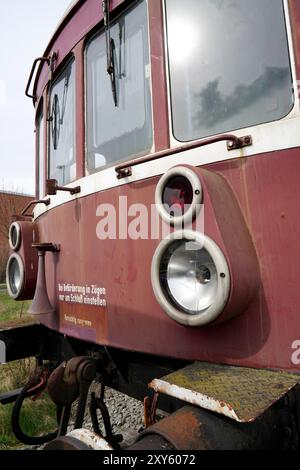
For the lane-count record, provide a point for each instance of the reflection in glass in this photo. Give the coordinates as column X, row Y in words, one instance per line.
column 232, row 70
column 62, row 165
column 116, row 131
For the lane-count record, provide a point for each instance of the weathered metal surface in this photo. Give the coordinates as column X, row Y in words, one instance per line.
column 52, row 187
column 294, row 8
column 261, row 336
column 92, row 440
column 79, row 439
column 233, row 143
column 150, row 408
column 159, row 79
column 46, row 202
column 98, row 403
column 182, row 429
column 71, row 380
column 192, row 428
column 43, row 247
column 264, row 186
column 40, row 304
column 239, row 393
column 151, row 442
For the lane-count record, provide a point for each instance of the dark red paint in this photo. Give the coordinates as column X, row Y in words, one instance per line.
column 251, row 211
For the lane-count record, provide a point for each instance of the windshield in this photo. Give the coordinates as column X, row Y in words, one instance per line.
column 62, row 166
column 229, row 65
column 119, row 118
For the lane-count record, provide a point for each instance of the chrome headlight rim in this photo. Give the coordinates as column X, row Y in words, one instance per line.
column 15, row 294
column 195, row 206
column 209, row 315
column 14, row 233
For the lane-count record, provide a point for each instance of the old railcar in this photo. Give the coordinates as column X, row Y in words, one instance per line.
column 163, row 245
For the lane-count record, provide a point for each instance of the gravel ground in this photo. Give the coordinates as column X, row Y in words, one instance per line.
column 126, row 415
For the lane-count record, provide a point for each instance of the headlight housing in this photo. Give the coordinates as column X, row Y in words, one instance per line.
column 14, row 236
column 15, row 276
column 178, row 195
column 190, row 278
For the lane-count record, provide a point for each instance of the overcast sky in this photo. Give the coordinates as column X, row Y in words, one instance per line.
column 25, row 29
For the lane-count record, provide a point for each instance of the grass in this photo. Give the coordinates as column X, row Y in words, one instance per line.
column 13, row 312
column 31, row 422
column 37, row 417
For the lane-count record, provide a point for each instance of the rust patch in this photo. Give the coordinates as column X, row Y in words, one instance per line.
column 239, row 393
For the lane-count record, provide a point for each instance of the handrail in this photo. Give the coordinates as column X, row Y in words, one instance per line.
column 50, row 62
column 38, row 59
column 233, row 143
column 31, row 203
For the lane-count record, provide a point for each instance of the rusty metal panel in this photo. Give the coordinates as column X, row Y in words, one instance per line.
column 239, row 393
column 264, row 186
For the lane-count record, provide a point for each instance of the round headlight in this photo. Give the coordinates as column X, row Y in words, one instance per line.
column 14, row 236
column 190, row 278
column 178, row 195
column 15, row 275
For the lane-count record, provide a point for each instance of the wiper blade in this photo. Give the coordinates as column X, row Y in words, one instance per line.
column 64, row 99
column 110, row 49
column 111, row 70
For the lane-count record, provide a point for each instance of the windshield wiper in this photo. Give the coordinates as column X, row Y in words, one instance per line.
column 64, row 99
column 110, row 49
column 111, row 70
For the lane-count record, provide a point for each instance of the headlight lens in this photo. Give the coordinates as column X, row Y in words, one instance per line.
column 177, row 195
column 15, row 275
column 14, row 236
column 190, row 278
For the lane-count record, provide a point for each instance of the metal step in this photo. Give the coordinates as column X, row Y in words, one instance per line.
column 240, row 393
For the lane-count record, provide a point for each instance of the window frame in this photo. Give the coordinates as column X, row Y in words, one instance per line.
column 40, row 120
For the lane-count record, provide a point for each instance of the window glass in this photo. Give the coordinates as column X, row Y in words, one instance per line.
column 41, row 153
column 62, row 164
column 120, row 126
column 229, row 65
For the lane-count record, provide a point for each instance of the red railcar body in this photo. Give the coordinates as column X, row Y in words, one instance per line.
column 264, row 186
column 257, row 338
column 101, row 290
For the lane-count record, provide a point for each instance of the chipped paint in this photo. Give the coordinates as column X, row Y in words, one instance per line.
column 92, row 440
column 239, row 393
